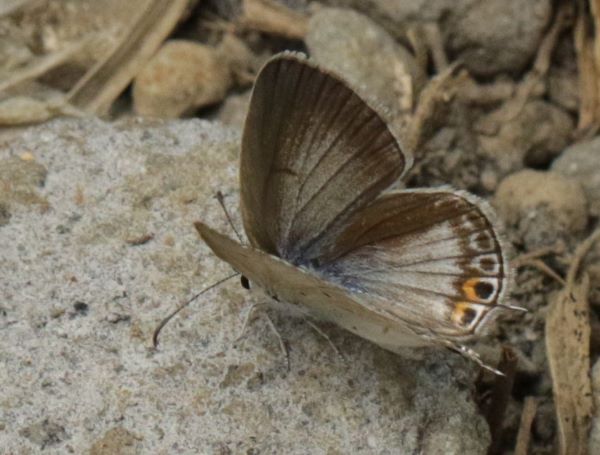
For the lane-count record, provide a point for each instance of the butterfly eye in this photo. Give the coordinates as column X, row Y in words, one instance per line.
column 245, row 282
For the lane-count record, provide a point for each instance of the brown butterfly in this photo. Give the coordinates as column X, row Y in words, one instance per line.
column 399, row 268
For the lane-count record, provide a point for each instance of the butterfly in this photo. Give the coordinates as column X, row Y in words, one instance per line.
column 400, row 268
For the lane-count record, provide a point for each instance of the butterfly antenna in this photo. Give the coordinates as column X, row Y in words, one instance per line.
column 221, row 200
column 182, row 306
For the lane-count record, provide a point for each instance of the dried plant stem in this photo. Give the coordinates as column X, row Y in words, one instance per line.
column 557, row 248
column 435, row 42
column 527, row 416
column 580, row 253
column 532, row 259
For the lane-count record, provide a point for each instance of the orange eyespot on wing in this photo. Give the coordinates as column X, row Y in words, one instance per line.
column 478, row 289
column 464, row 315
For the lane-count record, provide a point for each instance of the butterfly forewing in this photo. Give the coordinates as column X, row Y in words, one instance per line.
column 313, row 152
column 433, row 256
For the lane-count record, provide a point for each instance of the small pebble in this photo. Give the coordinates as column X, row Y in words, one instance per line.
column 543, row 206
column 581, row 162
column 533, row 137
column 182, row 77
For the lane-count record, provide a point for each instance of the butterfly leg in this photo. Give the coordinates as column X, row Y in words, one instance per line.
column 249, row 314
column 324, row 335
column 282, row 346
column 472, row 355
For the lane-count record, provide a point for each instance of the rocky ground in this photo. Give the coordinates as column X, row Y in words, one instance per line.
column 103, row 172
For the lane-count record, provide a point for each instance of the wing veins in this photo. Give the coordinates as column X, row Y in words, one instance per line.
column 315, row 239
column 434, row 222
column 291, row 100
column 444, row 258
column 335, row 174
column 323, row 156
column 405, row 233
column 343, row 104
column 415, row 288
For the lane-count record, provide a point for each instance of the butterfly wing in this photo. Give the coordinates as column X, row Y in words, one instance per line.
column 433, row 256
column 313, row 152
column 312, row 295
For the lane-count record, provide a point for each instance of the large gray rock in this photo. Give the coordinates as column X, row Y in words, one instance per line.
column 87, row 276
column 365, row 55
column 488, row 36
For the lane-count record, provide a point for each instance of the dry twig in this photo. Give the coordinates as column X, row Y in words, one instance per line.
column 527, row 416
column 435, row 42
column 533, row 259
column 438, row 92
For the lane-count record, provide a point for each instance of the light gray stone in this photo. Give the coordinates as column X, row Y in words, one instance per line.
column 86, row 279
column 533, row 137
column 542, row 206
column 581, row 162
column 365, row 55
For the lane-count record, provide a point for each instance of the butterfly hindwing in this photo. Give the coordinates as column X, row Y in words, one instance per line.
column 434, row 256
column 313, row 152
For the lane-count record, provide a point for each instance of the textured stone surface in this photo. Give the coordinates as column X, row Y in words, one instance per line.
column 542, row 206
column 86, row 278
column 533, row 137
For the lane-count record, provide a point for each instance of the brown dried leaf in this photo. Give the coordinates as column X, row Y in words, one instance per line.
column 103, row 83
column 568, row 349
